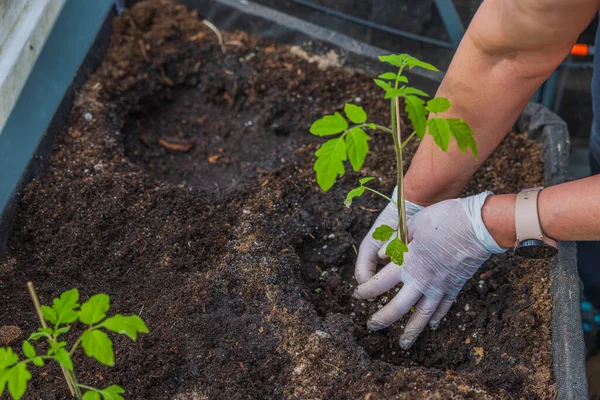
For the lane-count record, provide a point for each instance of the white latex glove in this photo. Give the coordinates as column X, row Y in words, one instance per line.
column 371, row 251
column 448, row 243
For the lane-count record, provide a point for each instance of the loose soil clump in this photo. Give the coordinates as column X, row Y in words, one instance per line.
column 182, row 185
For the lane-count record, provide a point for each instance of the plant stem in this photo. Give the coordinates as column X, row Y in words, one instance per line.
column 76, row 344
column 381, row 128
column 397, row 124
column 407, row 140
column 398, row 76
column 38, row 310
column 382, row 195
column 29, row 360
column 88, row 388
column 75, row 384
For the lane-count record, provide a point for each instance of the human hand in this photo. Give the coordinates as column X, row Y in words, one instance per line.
column 372, row 251
column 448, row 243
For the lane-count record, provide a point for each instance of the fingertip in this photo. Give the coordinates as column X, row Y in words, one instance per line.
column 358, row 295
column 375, row 325
column 406, row 342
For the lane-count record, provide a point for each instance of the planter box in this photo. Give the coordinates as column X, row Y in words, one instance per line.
column 568, row 346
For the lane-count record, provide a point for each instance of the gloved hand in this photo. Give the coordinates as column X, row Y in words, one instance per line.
column 372, row 251
column 448, row 243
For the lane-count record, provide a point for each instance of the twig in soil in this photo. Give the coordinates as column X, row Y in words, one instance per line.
column 143, row 50
column 369, row 209
column 166, row 80
column 217, row 32
column 334, row 366
column 38, row 310
column 355, row 251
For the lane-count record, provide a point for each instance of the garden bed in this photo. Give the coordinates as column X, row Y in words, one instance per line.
column 182, row 185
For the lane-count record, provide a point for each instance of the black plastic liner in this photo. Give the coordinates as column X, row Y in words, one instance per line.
column 568, row 346
column 540, row 123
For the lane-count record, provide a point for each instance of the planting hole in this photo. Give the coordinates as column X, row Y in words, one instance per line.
column 209, row 138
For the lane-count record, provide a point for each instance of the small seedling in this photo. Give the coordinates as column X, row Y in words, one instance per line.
column 64, row 312
column 352, row 144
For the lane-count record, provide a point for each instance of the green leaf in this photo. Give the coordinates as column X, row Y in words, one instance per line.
column 382, row 84
column 391, row 93
column 94, row 310
column 62, row 330
column 28, row 350
column 65, row 306
column 39, row 334
column 129, row 325
column 393, row 76
column 7, row 357
column 417, row 114
column 440, row 130
column 56, row 346
column 98, row 345
column 356, row 192
column 438, row 105
column 383, row 233
column 372, row 126
column 38, row 361
column 3, row 379
column 357, row 146
column 113, row 392
column 355, row 113
column 415, row 62
column 407, row 90
column 395, row 251
column 17, row 378
column 397, row 60
column 390, row 76
column 90, row 395
column 329, row 125
column 49, row 314
column 463, row 134
column 64, row 358
column 330, row 162
column 365, row 180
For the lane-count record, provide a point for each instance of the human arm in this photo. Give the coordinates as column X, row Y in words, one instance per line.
column 453, row 238
column 567, row 212
column 510, row 48
column 508, row 51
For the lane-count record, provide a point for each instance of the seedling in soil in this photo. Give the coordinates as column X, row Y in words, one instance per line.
column 352, row 143
column 62, row 315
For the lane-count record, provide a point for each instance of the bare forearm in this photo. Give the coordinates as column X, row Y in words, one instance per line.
column 570, row 211
column 509, row 50
column 486, row 95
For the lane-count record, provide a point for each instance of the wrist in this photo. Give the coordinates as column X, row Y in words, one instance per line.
column 498, row 215
column 423, row 193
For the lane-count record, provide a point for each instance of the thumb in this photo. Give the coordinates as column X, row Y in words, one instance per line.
column 367, row 259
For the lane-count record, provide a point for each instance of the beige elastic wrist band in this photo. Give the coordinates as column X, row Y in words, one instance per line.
column 527, row 221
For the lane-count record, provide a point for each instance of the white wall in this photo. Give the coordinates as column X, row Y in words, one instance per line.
column 24, row 27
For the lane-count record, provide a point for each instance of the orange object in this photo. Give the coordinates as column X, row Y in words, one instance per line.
column 580, row 49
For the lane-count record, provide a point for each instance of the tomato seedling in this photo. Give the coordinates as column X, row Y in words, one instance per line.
column 352, row 142
column 64, row 312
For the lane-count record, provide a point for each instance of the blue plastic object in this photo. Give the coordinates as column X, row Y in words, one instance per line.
column 52, row 75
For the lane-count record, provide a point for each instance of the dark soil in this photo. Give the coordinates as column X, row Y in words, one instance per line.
column 190, row 198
